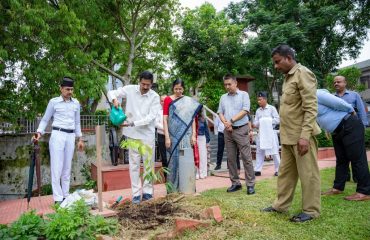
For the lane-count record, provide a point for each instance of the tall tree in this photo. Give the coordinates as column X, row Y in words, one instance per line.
column 41, row 41
column 322, row 32
column 208, row 47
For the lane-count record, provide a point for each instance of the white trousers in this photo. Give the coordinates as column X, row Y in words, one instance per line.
column 61, row 147
column 203, row 154
column 260, row 159
column 134, row 164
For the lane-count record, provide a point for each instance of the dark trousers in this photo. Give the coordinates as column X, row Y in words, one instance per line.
column 162, row 151
column 220, row 147
column 349, row 146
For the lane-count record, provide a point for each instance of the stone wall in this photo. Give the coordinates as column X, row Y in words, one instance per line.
column 15, row 152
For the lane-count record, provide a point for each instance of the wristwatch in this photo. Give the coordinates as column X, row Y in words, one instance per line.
column 231, row 120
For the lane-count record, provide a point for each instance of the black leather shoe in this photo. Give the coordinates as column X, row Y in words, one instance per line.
column 250, row 190
column 217, row 167
column 300, row 218
column 276, row 174
column 234, row 188
column 269, row 209
column 257, row 173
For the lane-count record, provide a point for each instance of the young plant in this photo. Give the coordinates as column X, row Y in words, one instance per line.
column 146, row 152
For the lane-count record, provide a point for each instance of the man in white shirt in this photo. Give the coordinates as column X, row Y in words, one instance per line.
column 160, row 136
column 66, row 126
column 266, row 117
column 142, row 106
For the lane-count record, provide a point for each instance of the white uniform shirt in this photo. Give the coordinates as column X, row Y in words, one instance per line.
column 159, row 122
column 142, row 109
column 66, row 114
column 268, row 111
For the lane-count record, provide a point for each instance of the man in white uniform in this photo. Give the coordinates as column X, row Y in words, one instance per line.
column 142, row 106
column 66, row 126
column 265, row 120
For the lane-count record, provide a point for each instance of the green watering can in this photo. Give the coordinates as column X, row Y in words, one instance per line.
column 117, row 116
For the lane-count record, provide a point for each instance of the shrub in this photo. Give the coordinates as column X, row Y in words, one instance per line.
column 28, row 226
column 367, row 138
column 78, row 223
column 73, row 223
column 323, row 141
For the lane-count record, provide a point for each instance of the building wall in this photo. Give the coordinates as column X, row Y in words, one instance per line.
column 15, row 152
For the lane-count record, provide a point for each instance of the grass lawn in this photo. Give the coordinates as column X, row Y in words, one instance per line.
column 340, row 219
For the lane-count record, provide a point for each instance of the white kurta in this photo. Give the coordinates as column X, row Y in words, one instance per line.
column 267, row 140
column 142, row 109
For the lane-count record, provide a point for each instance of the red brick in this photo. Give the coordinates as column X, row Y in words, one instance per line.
column 213, row 213
column 183, row 224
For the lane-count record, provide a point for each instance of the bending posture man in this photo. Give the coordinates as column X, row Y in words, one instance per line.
column 66, row 126
column 340, row 119
column 233, row 109
column 298, row 111
column 142, row 106
column 353, row 98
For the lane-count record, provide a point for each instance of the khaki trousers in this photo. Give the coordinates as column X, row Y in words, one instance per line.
column 239, row 139
column 306, row 168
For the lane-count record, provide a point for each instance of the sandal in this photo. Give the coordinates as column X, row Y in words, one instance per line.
column 302, row 217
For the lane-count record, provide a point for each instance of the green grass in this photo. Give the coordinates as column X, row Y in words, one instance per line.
column 340, row 219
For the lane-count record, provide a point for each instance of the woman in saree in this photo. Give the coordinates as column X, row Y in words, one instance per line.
column 179, row 128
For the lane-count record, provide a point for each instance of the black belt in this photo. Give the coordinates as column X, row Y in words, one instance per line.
column 64, row 130
column 237, row 127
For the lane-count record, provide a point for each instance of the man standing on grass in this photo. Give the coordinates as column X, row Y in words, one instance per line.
column 340, row 119
column 298, row 111
column 142, row 106
column 233, row 109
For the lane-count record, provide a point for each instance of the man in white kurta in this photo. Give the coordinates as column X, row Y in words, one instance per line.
column 66, row 126
column 142, row 106
column 267, row 142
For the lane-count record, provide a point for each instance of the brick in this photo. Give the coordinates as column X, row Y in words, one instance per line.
column 212, row 213
column 183, row 224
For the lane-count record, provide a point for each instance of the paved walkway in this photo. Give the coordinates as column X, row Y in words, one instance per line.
column 10, row 210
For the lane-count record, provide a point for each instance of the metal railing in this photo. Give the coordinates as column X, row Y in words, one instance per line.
column 24, row 126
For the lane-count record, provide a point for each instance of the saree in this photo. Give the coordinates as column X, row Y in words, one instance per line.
column 182, row 112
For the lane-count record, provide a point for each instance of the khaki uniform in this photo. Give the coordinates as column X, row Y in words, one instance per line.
column 298, row 111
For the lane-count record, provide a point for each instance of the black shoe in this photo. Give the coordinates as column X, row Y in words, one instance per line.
column 250, row 190
column 257, row 173
column 58, row 202
column 269, row 209
column 234, row 188
column 217, row 167
column 276, row 174
column 147, row 196
column 302, row 217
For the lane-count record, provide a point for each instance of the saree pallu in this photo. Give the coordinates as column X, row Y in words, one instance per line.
column 182, row 112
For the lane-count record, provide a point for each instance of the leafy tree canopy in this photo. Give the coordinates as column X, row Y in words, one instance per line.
column 322, row 32
column 41, row 41
column 352, row 75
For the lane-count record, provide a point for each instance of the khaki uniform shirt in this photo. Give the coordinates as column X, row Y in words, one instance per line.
column 298, row 108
